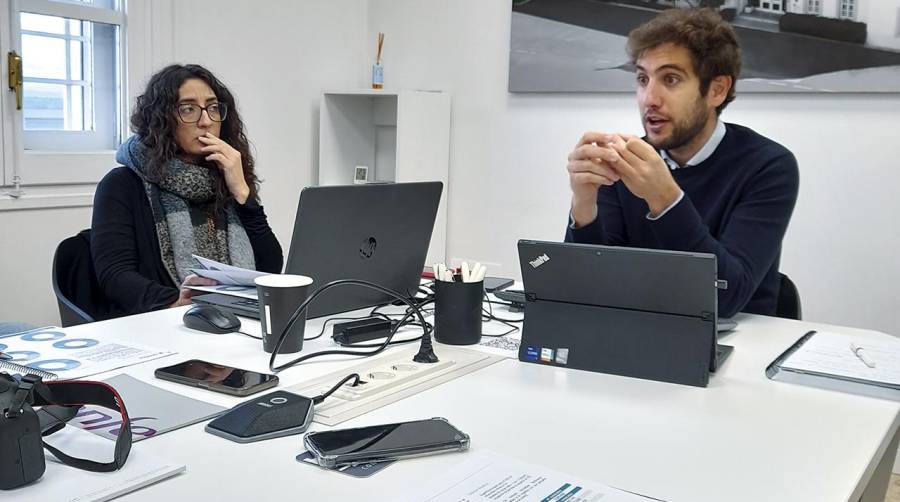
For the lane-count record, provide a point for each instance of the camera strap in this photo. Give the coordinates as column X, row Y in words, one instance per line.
column 62, row 400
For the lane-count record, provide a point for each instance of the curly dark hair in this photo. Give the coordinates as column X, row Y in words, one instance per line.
column 712, row 42
column 154, row 121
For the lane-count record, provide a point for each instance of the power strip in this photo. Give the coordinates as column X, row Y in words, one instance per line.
column 389, row 379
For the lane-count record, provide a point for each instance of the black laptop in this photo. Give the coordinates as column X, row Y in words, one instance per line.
column 375, row 232
column 642, row 313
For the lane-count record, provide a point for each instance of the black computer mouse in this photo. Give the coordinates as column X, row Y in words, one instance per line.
column 211, row 320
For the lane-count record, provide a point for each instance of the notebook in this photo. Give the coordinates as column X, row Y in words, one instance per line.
column 153, row 411
column 53, row 353
column 867, row 366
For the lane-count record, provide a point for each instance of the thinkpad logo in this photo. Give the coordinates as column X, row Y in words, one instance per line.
column 540, row 260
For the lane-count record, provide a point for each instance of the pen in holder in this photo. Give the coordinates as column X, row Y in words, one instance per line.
column 457, row 311
column 377, row 69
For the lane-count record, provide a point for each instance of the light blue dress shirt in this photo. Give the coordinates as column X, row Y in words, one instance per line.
column 708, row 148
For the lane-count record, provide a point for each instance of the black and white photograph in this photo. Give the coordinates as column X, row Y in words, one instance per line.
column 787, row 45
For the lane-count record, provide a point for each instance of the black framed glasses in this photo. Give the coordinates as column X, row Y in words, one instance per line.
column 190, row 113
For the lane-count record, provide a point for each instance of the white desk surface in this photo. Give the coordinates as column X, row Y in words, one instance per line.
column 744, row 438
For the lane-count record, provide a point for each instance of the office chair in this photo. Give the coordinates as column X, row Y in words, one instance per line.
column 788, row 299
column 74, row 282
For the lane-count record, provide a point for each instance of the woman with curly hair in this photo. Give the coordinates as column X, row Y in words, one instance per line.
column 186, row 186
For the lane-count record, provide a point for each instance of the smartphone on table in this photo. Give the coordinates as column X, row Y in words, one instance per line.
column 217, row 377
column 492, row 284
column 380, row 443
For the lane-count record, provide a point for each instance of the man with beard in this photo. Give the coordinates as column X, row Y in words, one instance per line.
column 693, row 183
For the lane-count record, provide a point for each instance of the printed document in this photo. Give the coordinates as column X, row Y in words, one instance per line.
column 489, row 477
column 226, row 275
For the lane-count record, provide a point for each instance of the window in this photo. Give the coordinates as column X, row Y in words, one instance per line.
column 73, row 90
column 814, row 7
column 772, row 5
column 848, row 9
column 67, row 66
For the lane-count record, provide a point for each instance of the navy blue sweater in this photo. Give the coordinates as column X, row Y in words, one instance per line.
column 736, row 205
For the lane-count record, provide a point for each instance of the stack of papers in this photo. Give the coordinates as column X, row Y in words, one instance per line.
column 234, row 281
column 225, row 275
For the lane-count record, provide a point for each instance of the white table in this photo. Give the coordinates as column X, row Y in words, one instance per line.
column 744, row 438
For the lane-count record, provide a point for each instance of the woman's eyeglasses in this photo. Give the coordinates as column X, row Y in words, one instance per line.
column 191, row 113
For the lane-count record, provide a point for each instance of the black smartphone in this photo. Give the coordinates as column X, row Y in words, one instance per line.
column 216, row 377
column 380, row 443
column 492, row 284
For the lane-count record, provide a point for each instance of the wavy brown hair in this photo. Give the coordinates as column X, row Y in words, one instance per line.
column 712, row 42
column 154, row 121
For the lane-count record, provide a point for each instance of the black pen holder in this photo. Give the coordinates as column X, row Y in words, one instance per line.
column 457, row 311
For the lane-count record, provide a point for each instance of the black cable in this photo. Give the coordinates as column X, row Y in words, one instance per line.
column 425, row 354
column 248, row 334
column 320, row 398
column 493, row 317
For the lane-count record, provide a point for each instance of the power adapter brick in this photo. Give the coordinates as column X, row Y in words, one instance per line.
column 363, row 330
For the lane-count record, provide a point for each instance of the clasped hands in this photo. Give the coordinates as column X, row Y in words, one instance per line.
column 601, row 159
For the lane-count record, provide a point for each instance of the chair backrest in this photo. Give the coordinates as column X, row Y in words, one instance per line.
column 74, row 282
column 788, row 300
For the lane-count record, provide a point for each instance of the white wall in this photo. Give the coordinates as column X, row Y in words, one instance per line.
column 29, row 239
column 277, row 57
column 509, row 152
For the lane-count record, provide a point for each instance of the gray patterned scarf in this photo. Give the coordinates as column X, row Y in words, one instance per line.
column 183, row 206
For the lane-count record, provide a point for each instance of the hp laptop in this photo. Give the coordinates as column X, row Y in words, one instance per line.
column 635, row 312
column 376, row 232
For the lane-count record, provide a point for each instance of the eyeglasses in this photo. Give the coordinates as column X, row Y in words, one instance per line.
column 191, row 113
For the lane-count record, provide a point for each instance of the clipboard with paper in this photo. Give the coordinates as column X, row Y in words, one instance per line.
column 868, row 366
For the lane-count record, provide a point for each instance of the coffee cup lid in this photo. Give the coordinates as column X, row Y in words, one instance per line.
column 283, row 281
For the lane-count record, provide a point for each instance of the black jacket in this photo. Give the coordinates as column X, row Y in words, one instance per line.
column 125, row 247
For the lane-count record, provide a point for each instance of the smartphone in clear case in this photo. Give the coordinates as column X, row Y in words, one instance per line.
column 380, row 443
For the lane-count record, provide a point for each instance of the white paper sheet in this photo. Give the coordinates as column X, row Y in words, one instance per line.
column 63, row 483
column 241, row 291
column 225, row 274
column 489, row 477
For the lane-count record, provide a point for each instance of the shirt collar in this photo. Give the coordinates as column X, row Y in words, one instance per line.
column 704, row 153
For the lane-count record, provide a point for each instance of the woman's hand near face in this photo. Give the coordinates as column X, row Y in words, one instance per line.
column 229, row 161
